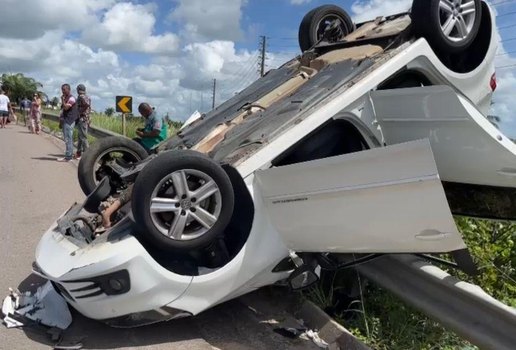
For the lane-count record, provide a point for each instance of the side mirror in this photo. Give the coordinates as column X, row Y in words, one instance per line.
column 302, row 277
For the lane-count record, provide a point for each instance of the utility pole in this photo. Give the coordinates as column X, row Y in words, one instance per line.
column 214, row 91
column 263, row 44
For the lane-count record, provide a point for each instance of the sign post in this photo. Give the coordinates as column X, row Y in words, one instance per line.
column 124, row 105
column 124, row 132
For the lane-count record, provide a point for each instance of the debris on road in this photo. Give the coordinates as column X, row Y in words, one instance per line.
column 44, row 307
column 68, row 345
column 302, row 333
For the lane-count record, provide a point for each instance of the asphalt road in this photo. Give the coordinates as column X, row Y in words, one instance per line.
column 34, row 190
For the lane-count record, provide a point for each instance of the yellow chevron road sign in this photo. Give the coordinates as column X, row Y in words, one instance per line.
column 124, row 104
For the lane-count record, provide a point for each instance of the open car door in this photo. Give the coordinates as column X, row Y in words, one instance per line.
column 387, row 199
column 467, row 147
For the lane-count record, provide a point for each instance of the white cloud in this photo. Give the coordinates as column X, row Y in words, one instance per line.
column 366, row 10
column 213, row 20
column 299, row 2
column 89, row 47
column 130, row 27
column 30, row 19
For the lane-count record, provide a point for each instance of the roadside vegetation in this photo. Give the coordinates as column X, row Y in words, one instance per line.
column 114, row 123
column 384, row 322
column 20, row 86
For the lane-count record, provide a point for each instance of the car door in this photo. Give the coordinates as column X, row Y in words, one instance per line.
column 387, row 199
column 468, row 149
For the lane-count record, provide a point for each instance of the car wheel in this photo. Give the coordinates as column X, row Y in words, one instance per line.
column 327, row 18
column 450, row 26
column 182, row 201
column 109, row 157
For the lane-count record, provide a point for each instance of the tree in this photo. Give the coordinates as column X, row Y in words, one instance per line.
column 19, row 86
column 55, row 101
column 109, row 111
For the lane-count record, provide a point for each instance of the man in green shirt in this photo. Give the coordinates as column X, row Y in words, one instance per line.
column 155, row 129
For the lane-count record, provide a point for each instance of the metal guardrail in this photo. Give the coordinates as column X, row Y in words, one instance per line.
column 93, row 130
column 460, row 306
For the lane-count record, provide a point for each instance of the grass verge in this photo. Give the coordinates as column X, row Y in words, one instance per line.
column 384, row 322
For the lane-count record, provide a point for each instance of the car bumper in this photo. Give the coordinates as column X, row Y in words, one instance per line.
column 117, row 282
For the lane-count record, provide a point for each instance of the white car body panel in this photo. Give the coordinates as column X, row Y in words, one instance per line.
column 62, row 261
column 418, row 54
column 249, row 270
column 467, row 147
column 387, row 199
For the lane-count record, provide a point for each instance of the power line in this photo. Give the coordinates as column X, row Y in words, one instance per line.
column 506, row 53
column 506, row 14
column 505, row 40
column 251, row 62
column 507, row 66
column 505, row 2
column 244, row 80
column 505, row 27
column 263, row 55
column 214, row 93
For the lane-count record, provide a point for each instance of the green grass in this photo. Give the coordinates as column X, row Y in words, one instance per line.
column 114, row 123
column 385, row 322
column 54, row 127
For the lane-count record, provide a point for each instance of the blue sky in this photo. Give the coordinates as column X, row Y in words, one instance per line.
column 168, row 52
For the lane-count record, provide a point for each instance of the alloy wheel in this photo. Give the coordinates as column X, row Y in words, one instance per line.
column 185, row 204
column 457, row 18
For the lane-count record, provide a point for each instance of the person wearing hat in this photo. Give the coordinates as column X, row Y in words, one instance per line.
column 83, row 123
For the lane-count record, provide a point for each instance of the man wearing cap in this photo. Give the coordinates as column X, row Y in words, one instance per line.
column 84, row 110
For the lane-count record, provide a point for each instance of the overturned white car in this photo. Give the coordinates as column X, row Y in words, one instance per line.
column 366, row 143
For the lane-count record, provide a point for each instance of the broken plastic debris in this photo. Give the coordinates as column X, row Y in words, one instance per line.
column 8, row 309
column 44, row 307
column 63, row 345
column 301, row 333
column 314, row 337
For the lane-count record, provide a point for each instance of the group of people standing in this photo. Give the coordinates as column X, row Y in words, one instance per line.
column 74, row 112
column 32, row 111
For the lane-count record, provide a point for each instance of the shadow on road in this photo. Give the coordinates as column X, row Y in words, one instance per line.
column 45, row 158
column 244, row 323
column 48, row 157
column 96, row 335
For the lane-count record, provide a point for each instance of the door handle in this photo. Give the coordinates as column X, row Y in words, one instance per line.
column 507, row 172
column 431, row 235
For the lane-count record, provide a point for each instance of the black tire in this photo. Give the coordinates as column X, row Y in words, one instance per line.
column 89, row 176
column 312, row 28
column 426, row 22
column 159, row 169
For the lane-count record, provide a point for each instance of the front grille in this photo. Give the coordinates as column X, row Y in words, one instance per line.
column 115, row 283
column 83, row 290
column 62, row 290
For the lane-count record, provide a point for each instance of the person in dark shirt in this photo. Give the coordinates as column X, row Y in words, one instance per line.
column 83, row 123
column 67, row 120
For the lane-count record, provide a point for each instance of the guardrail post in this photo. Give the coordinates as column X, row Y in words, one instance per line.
column 124, row 131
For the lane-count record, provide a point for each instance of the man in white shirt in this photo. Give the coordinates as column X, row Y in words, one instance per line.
column 5, row 108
